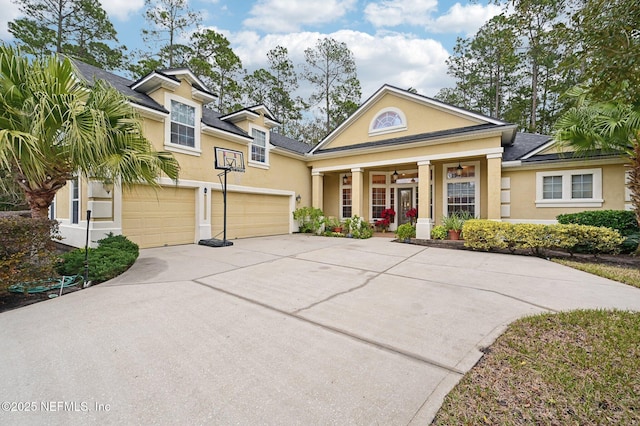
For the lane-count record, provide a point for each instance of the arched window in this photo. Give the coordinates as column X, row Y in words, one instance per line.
column 388, row 120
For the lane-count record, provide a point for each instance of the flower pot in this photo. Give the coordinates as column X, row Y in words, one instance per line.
column 454, row 234
column 337, row 229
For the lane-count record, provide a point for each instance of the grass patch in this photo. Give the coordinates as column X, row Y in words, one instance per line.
column 626, row 275
column 580, row 367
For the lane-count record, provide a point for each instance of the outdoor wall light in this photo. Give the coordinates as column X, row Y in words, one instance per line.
column 298, row 198
column 459, row 170
column 345, row 180
column 107, row 185
column 205, row 191
column 394, row 176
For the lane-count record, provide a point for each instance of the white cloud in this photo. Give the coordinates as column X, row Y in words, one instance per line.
column 391, row 13
column 464, row 19
column 282, row 16
column 10, row 11
column 389, row 58
column 122, row 9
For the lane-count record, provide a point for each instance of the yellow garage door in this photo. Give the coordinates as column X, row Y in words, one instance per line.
column 155, row 217
column 250, row 215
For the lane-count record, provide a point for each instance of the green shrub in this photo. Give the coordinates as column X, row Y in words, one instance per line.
column 406, row 231
column 114, row 255
column 27, row 252
column 623, row 221
column 310, row 219
column 439, row 232
column 631, row 242
column 356, row 227
column 488, row 235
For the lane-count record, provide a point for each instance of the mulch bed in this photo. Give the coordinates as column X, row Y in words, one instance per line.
column 9, row 301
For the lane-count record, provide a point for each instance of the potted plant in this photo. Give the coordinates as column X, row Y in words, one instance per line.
column 387, row 218
column 333, row 224
column 454, row 222
column 405, row 232
column 412, row 214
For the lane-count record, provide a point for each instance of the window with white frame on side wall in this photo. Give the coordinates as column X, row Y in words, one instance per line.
column 259, row 149
column 182, row 128
column 569, row 188
column 462, row 188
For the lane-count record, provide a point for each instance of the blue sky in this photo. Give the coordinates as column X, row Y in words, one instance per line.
column 400, row 42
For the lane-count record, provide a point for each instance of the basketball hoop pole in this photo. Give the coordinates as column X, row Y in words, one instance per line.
column 224, row 200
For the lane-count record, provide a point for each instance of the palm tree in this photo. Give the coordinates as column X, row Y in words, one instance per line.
column 53, row 125
column 612, row 127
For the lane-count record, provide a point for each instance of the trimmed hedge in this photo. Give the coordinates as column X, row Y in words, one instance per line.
column 27, row 252
column 114, row 255
column 490, row 235
column 624, row 221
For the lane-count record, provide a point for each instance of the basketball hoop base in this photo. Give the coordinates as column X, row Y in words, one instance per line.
column 213, row 242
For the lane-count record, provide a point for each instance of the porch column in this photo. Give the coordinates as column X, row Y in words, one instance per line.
column 357, row 192
column 494, row 178
column 423, row 224
column 317, row 190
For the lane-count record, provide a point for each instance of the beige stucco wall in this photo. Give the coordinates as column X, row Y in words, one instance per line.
column 523, row 192
column 420, row 118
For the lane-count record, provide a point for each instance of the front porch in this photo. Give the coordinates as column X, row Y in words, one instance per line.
column 435, row 187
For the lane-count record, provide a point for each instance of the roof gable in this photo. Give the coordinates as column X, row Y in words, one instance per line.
column 422, row 115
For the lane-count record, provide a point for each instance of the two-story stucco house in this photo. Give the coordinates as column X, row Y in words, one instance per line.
column 398, row 150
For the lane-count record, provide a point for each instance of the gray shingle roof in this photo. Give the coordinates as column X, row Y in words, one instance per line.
column 289, row 144
column 212, row 119
column 523, row 144
column 91, row 73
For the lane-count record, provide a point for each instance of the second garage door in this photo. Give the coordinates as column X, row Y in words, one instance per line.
column 155, row 217
column 250, row 215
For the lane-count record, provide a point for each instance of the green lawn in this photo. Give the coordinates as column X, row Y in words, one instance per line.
column 580, row 367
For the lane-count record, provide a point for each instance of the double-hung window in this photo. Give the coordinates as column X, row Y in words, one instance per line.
column 569, row 188
column 259, row 146
column 183, row 124
column 345, row 201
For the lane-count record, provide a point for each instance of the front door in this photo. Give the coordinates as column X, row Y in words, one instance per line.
column 405, row 201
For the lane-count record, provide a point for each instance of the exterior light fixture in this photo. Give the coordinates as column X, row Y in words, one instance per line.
column 205, row 191
column 298, row 198
column 459, row 170
column 345, row 180
column 394, row 176
column 107, row 185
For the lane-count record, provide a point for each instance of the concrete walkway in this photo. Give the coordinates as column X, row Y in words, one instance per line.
column 277, row 330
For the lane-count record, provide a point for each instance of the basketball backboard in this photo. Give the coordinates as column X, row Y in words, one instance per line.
column 229, row 159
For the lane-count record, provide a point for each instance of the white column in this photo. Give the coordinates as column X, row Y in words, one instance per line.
column 423, row 224
column 317, row 190
column 357, row 192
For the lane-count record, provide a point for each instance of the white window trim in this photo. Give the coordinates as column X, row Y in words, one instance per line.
column 403, row 126
column 446, row 180
column 342, row 186
column 267, row 144
column 566, row 200
column 71, row 200
column 168, row 145
column 388, row 190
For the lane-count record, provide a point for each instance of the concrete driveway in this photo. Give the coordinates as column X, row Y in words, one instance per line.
column 277, row 330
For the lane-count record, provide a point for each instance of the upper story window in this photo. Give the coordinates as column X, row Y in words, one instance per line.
column 259, row 148
column 569, row 188
column 183, row 124
column 388, row 120
column 182, row 127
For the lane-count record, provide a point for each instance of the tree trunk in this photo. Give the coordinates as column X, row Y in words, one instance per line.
column 40, row 196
